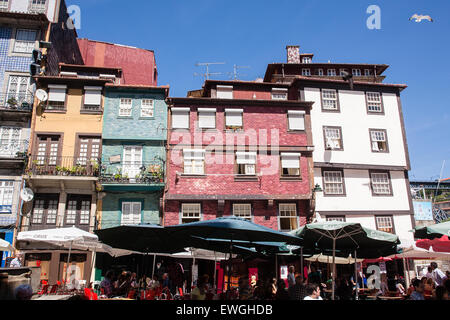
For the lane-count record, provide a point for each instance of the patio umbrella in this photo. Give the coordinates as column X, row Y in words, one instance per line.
column 143, row 238
column 6, row 246
column 415, row 252
column 336, row 235
column 438, row 244
column 327, row 259
column 61, row 237
column 230, row 228
column 433, row 231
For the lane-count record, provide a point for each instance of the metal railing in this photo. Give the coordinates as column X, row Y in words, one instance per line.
column 91, row 108
column 16, row 102
column 13, row 148
column 132, row 173
column 63, row 166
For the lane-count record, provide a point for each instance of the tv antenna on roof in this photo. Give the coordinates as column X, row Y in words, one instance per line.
column 207, row 74
column 234, row 75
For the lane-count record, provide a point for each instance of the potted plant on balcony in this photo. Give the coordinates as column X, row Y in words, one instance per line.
column 95, row 167
column 59, row 170
column 12, row 102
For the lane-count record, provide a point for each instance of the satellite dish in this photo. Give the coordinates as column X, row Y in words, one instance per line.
column 41, row 95
column 27, row 194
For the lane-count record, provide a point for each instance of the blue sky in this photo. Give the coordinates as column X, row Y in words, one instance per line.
column 254, row 33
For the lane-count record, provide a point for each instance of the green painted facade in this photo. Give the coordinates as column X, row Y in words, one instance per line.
column 143, row 183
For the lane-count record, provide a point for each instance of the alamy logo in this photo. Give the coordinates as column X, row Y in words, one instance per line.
column 374, row 282
column 374, row 20
column 74, row 20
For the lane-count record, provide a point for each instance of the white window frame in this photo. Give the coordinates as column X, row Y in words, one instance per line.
column 291, row 213
column 190, row 211
column 183, row 118
column 333, row 183
column 25, row 45
column 133, row 219
column 320, row 72
column 132, row 167
column 207, row 118
column 356, row 72
column 379, row 140
column 333, row 138
column 330, row 99
column 243, row 210
column 289, row 162
column 341, row 72
column 10, row 142
column 384, row 222
column 57, row 96
column 126, row 107
column 233, row 112
column 306, row 72
column 224, row 92
column 279, row 94
column 4, row 4
column 6, row 196
column 374, row 102
column 147, row 108
column 306, row 59
column 248, row 161
column 367, row 72
column 331, row 72
column 296, row 120
column 92, row 98
column 194, row 161
column 380, row 182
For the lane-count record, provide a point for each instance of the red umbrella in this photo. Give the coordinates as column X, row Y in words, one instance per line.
column 438, row 244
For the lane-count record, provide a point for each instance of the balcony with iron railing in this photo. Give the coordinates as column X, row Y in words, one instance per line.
column 13, row 149
column 140, row 175
column 62, row 166
column 13, row 102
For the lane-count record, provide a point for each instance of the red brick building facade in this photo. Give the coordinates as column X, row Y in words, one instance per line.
column 240, row 149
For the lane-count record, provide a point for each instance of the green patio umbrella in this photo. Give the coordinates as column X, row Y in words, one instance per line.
column 142, row 238
column 434, row 231
column 232, row 229
column 347, row 237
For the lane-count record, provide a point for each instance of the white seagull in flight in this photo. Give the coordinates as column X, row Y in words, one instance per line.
column 419, row 18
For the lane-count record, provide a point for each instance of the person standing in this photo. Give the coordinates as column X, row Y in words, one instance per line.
column 313, row 292
column 437, row 274
column 291, row 276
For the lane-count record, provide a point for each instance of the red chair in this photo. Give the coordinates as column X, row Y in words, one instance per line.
column 44, row 290
column 131, row 294
column 88, row 293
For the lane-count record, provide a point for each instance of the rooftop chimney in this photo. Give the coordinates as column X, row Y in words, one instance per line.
column 293, row 54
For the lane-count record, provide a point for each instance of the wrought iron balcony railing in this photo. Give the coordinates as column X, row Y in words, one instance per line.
column 132, row 173
column 16, row 102
column 13, row 148
column 63, row 166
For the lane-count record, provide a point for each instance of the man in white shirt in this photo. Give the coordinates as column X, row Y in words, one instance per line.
column 16, row 263
column 313, row 292
column 438, row 275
